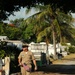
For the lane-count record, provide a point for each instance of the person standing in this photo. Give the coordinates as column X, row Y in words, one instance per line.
column 25, row 58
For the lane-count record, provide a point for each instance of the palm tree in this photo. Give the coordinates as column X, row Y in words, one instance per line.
column 46, row 25
column 49, row 23
column 66, row 26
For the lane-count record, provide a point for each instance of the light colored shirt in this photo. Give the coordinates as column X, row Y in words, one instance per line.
column 26, row 57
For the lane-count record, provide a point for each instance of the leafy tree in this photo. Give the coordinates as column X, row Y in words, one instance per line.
column 17, row 22
column 27, row 28
column 28, row 34
column 2, row 53
column 2, row 29
column 15, row 5
column 13, row 33
column 10, row 31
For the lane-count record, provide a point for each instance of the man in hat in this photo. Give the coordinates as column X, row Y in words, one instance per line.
column 25, row 59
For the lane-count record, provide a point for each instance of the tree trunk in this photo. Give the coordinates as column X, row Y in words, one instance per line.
column 54, row 44
column 47, row 52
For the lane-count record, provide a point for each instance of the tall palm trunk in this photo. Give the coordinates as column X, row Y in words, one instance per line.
column 47, row 52
column 60, row 38
column 54, row 43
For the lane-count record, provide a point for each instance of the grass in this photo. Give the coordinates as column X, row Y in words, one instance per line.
column 70, row 56
column 64, row 59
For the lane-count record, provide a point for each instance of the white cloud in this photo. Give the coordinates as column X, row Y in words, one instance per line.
column 20, row 14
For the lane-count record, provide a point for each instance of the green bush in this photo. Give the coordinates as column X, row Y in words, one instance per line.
column 2, row 53
column 71, row 49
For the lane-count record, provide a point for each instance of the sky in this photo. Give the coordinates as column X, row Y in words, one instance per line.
column 22, row 14
column 73, row 15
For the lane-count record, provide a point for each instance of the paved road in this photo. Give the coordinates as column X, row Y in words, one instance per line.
column 58, row 70
column 59, row 67
column 63, row 67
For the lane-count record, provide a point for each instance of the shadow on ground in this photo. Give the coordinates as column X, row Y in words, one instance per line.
column 61, row 69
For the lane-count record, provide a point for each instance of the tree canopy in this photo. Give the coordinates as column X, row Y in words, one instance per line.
column 7, row 7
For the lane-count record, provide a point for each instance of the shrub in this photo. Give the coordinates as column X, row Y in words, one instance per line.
column 2, row 53
column 71, row 49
